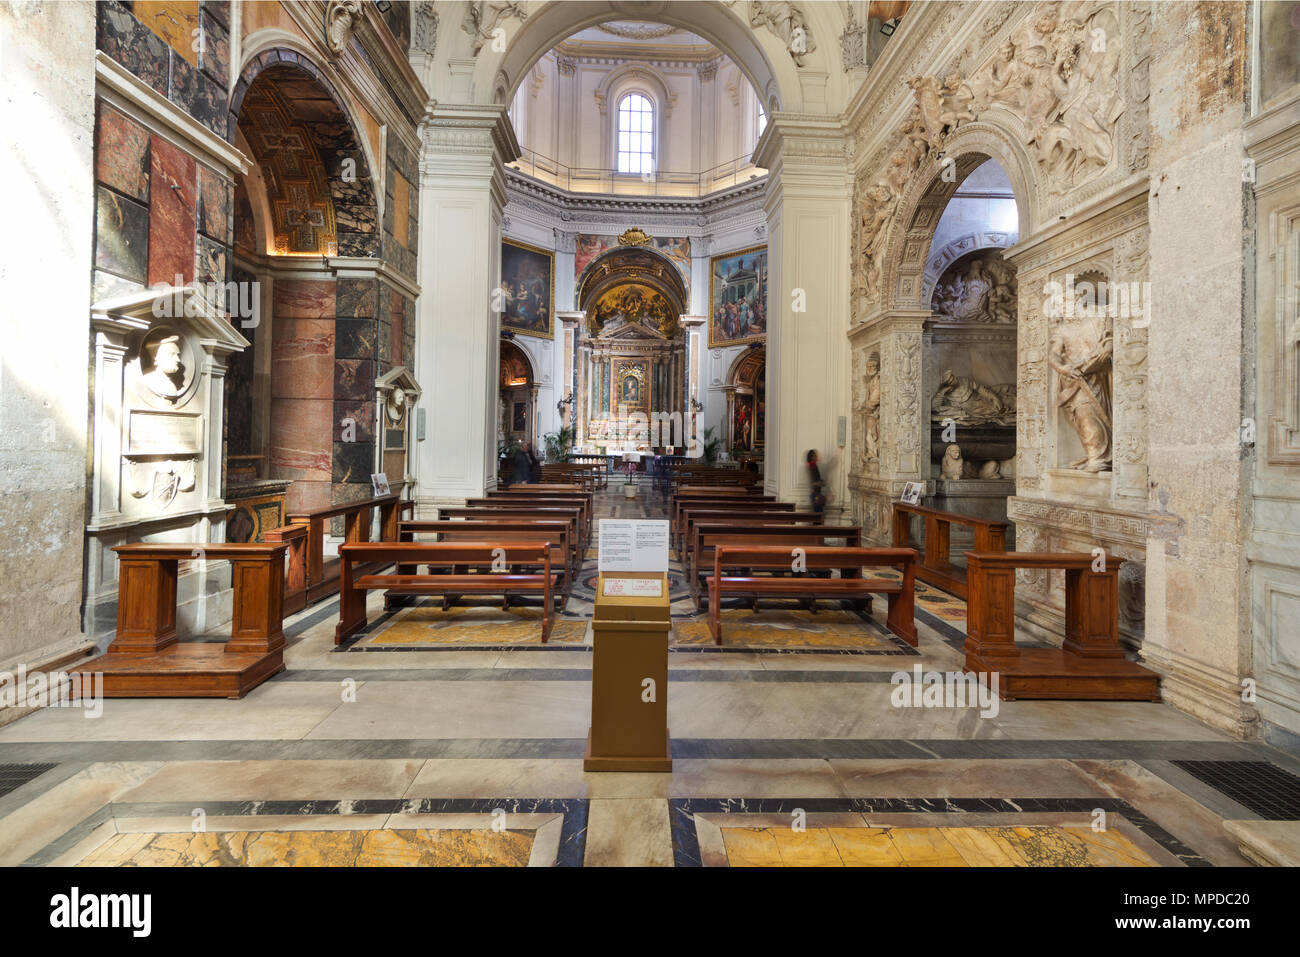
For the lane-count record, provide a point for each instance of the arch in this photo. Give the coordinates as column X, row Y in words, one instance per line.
column 747, row 367
column 943, row 257
column 342, row 206
column 714, row 22
column 915, row 217
column 515, row 366
column 625, row 264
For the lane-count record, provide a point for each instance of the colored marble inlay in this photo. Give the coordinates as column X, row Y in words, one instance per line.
column 372, row 848
column 121, row 235
column 783, row 627
column 122, row 153
column 1027, row 846
column 175, row 21
column 428, row 624
column 171, row 213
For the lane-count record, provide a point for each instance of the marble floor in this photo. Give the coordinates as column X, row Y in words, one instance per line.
column 472, row 755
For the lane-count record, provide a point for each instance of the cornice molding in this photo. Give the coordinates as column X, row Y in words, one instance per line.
column 119, row 86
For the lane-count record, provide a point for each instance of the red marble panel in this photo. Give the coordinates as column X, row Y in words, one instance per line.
column 173, row 199
column 304, row 299
column 306, row 496
column 301, row 439
column 302, row 359
column 122, row 153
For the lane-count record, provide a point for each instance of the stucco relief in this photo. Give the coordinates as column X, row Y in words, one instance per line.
column 1056, row 80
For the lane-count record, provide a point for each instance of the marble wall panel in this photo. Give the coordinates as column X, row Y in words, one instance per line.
column 122, row 153
column 121, row 235
column 355, row 338
column 300, row 439
column 302, row 359
column 211, row 260
column 353, row 463
column 354, row 379
column 175, row 21
column 132, row 44
column 214, row 53
column 220, row 9
column 304, row 299
column 171, row 213
column 358, row 298
column 198, row 95
column 354, row 421
column 214, row 205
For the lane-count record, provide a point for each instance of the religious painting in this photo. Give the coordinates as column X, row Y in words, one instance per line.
column 527, row 290
column 520, row 419
column 637, row 304
column 742, row 429
column 587, row 247
column 760, row 412
column 738, row 297
column 631, row 385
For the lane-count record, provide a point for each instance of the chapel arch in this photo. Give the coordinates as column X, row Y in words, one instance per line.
column 301, row 402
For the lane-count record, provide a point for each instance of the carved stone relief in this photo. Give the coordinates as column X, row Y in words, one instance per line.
column 981, row 289
column 786, row 21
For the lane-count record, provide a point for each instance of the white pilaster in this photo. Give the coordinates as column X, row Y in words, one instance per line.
column 462, row 190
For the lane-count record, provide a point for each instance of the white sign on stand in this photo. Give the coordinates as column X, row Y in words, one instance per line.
column 628, row 545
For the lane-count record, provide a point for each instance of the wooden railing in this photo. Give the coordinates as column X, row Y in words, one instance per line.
column 321, row 577
column 936, row 568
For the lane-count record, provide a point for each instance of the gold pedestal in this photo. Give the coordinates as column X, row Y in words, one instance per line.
column 629, row 715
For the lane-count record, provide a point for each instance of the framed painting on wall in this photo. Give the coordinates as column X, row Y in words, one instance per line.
column 631, row 386
column 528, row 290
column 738, row 297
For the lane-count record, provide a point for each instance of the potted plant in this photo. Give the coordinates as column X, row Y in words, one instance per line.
column 711, row 446
column 629, row 486
column 559, row 445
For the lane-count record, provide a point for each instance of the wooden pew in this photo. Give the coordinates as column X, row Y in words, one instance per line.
column 851, row 587
column 681, row 506
column 1090, row 665
column 473, row 557
column 520, row 513
column 706, row 536
column 580, row 501
column 146, row 659
column 935, row 567
column 321, row 576
column 544, row 497
column 692, row 516
column 558, row 534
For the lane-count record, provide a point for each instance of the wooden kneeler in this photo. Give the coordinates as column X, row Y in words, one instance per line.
column 1089, row 666
column 147, row 660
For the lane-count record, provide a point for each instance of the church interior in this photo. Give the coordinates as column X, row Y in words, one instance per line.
column 651, row 433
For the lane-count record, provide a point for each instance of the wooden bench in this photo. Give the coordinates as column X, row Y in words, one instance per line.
column 558, row 534
column 581, row 501
column 501, row 555
column 321, row 576
column 765, row 502
column 147, row 660
column 706, row 536
column 1090, row 665
column 936, row 568
column 295, row 573
column 692, row 516
column 520, row 513
column 848, row 587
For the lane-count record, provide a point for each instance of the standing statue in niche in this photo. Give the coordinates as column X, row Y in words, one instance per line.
column 872, row 408
column 1080, row 353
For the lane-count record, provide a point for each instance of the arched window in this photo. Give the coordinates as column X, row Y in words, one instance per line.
column 636, row 136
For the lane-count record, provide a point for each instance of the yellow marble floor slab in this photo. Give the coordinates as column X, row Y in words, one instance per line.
column 369, row 848
column 474, row 625
column 784, row 628
column 1031, row 846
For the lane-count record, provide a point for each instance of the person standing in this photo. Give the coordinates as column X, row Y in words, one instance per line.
column 815, row 480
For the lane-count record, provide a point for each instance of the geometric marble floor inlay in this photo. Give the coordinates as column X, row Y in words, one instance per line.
column 1032, row 846
column 373, row 848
